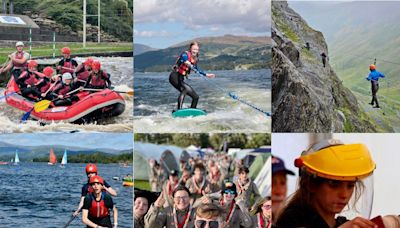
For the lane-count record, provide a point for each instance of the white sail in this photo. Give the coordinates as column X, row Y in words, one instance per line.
column 64, row 160
column 16, row 159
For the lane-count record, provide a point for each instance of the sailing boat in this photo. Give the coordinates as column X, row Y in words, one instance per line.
column 16, row 159
column 64, row 159
column 52, row 158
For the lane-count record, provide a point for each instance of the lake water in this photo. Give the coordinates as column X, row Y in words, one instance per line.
column 155, row 98
column 39, row 195
column 121, row 70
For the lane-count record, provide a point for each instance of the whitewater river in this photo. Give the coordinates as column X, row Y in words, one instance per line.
column 39, row 195
column 121, row 71
column 155, row 99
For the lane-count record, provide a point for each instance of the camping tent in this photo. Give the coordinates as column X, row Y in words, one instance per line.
column 166, row 155
column 263, row 179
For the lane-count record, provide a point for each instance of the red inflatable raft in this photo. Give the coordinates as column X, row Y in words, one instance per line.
column 90, row 107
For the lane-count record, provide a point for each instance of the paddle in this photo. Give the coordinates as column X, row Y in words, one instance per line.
column 70, row 220
column 8, row 94
column 43, row 105
column 127, row 92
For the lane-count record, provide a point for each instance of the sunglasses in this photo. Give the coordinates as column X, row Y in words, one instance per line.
column 228, row 191
column 202, row 223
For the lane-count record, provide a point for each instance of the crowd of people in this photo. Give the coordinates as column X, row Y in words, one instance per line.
column 60, row 84
column 213, row 191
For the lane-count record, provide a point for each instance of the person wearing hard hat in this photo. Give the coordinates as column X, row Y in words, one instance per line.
column 66, row 64
column 374, row 76
column 61, row 91
column 331, row 173
column 98, row 78
column 28, row 81
column 91, row 170
column 98, row 205
column 19, row 61
column 279, row 184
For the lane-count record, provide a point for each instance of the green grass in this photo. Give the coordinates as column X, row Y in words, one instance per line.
column 76, row 48
column 142, row 184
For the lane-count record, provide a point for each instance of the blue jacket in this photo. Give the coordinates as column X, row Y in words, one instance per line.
column 375, row 75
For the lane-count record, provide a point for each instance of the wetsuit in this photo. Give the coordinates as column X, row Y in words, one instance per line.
column 101, row 220
column 374, row 78
column 177, row 76
column 304, row 216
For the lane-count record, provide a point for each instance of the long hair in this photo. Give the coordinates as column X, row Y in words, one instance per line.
column 308, row 184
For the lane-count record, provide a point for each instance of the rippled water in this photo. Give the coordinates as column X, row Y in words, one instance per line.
column 39, row 195
column 121, row 70
column 155, row 98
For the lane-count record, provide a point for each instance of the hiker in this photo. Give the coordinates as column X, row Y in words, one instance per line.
column 327, row 172
column 323, row 56
column 374, row 76
column 186, row 62
column 19, row 61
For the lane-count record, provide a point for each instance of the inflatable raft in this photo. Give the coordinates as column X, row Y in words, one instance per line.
column 89, row 108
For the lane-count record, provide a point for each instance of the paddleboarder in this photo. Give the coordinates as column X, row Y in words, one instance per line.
column 186, row 62
column 98, row 205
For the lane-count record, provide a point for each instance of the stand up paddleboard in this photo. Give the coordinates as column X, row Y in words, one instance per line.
column 188, row 112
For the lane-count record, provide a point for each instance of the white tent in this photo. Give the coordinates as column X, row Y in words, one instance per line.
column 263, row 179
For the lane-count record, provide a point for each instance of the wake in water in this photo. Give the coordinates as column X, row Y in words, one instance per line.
column 155, row 99
column 121, row 71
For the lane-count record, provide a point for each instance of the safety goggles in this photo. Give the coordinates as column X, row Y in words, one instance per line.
column 202, row 223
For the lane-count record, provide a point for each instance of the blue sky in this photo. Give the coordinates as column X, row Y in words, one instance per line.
column 117, row 141
column 160, row 23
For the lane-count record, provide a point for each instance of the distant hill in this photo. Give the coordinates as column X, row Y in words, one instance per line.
column 217, row 53
column 141, row 48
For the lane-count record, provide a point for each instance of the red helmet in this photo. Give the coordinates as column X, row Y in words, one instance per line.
column 96, row 65
column 48, row 71
column 88, row 62
column 91, row 168
column 66, row 50
column 32, row 63
column 372, row 67
column 96, row 179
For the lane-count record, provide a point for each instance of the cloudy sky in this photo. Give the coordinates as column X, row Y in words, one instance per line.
column 117, row 141
column 160, row 23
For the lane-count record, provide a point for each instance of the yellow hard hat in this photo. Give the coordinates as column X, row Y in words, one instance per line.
column 349, row 162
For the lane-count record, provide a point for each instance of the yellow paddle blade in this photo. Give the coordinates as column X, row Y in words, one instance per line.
column 130, row 93
column 41, row 105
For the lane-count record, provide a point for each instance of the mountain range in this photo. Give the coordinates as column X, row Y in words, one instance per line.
column 216, row 53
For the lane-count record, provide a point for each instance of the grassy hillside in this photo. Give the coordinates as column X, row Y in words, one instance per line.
column 116, row 15
column 216, row 53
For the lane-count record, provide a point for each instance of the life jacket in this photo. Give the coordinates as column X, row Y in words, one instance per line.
column 181, row 67
column 99, row 79
column 67, row 64
column 83, row 74
column 29, row 78
column 20, row 55
column 98, row 209
column 46, row 85
column 62, row 89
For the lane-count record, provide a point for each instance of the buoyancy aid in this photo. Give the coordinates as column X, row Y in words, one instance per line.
column 98, row 209
column 19, row 56
column 68, row 64
column 99, row 79
column 181, row 67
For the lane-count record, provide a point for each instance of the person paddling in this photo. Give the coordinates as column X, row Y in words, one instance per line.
column 186, row 62
column 19, row 61
column 374, row 76
column 98, row 205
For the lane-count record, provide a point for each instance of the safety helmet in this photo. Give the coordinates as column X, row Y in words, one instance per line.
column 331, row 159
column 66, row 76
column 96, row 65
column 91, row 168
column 96, row 179
column 32, row 63
column 88, row 62
column 372, row 67
column 66, row 50
column 48, row 71
column 19, row 43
